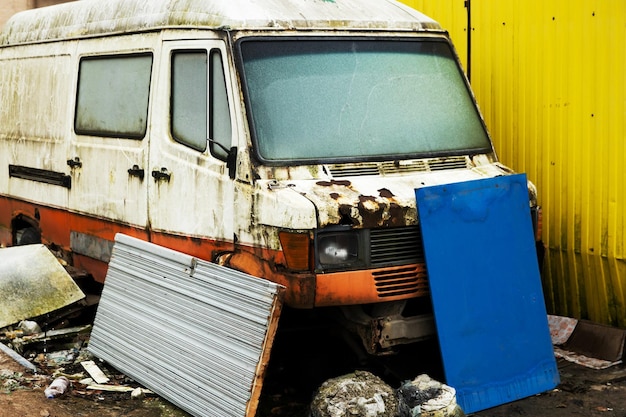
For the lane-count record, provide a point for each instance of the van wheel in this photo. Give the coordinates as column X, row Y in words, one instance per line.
column 29, row 236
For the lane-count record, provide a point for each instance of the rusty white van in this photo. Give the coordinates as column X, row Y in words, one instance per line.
column 283, row 138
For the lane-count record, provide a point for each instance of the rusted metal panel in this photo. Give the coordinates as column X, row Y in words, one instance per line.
column 196, row 333
column 93, row 246
column 549, row 77
column 82, row 19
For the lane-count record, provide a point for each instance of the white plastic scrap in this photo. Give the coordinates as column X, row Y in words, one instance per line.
column 442, row 404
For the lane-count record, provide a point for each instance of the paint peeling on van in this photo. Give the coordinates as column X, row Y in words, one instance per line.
column 40, row 102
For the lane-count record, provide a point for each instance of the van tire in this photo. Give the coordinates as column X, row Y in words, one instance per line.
column 29, row 236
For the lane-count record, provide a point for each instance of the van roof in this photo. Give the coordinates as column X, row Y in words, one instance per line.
column 97, row 17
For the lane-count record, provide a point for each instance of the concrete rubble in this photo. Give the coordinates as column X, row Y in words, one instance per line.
column 363, row 394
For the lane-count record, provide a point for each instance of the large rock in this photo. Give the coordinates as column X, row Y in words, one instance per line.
column 360, row 394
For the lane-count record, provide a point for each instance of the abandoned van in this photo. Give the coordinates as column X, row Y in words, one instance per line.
column 282, row 138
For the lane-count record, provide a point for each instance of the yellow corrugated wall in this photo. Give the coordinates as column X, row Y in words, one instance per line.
column 550, row 78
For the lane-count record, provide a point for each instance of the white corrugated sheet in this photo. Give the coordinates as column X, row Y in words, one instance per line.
column 194, row 332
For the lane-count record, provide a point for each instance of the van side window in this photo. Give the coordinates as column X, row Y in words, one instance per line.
column 199, row 101
column 113, row 93
column 189, row 98
column 220, row 125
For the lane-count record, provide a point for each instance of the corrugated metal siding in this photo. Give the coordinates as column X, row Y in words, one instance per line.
column 452, row 15
column 194, row 332
column 549, row 78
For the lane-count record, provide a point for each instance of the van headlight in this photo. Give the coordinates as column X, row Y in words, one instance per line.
column 339, row 250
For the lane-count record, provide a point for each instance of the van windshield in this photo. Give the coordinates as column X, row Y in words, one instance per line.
column 357, row 99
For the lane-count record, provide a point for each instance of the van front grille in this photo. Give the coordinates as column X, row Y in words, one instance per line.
column 443, row 164
column 399, row 251
column 396, row 246
column 399, row 167
column 401, row 281
column 352, row 170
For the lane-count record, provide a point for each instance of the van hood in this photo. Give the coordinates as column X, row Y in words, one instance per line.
column 377, row 201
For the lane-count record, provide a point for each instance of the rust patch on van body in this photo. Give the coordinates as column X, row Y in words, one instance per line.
column 361, row 204
column 333, row 182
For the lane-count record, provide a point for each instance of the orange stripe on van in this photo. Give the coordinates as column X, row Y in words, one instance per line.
column 56, row 226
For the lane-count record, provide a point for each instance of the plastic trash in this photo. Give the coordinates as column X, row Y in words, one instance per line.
column 57, row 388
column 426, row 397
column 137, row 394
column 29, row 327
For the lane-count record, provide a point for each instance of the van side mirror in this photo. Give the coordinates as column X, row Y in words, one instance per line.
column 231, row 157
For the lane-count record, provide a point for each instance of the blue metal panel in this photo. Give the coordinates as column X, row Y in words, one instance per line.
column 486, row 290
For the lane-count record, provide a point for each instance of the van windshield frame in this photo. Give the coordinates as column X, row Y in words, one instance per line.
column 341, row 99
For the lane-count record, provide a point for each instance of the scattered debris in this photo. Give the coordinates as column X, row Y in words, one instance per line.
column 10, row 381
column 17, row 358
column 360, row 394
column 51, row 341
column 138, row 393
column 95, row 372
column 593, row 345
column 425, row 396
column 57, row 337
column 119, row 388
column 52, row 371
column 59, row 387
column 28, row 327
column 60, row 365
column 33, row 283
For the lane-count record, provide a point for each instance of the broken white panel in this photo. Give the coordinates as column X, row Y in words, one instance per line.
column 196, row 333
column 95, row 372
column 33, row 283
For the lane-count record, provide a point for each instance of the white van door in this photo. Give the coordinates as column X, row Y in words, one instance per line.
column 190, row 192
column 35, row 88
column 109, row 146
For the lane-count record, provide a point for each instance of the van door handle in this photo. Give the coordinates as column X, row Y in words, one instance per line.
column 74, row 163
column 135, row 171
column 162, row 175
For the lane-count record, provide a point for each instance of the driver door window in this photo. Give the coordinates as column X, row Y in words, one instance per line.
column 199, row 102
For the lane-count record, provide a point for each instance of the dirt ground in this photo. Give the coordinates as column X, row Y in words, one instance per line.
column 583, row 391
column 22, row 395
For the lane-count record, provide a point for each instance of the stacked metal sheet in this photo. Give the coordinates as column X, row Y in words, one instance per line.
column 193, row 332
